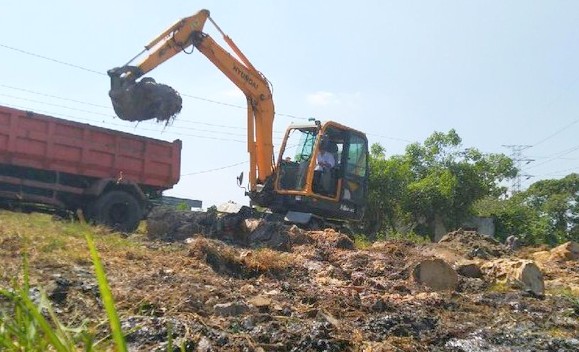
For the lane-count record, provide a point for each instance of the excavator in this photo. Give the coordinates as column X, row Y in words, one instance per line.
column 296, row 185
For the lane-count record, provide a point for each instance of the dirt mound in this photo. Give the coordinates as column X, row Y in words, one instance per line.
column 239, row 263
column 169, row 224
column 203, row 293
column 473, row 245
column 142, row 100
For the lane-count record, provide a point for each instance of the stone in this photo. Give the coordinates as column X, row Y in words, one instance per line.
column 565, row 252
column 436, row 274
column 468, row 269
column 230, row 309
column 521, row 273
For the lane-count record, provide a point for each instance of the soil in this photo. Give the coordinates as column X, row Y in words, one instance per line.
column 222, row 289
column 146, row 100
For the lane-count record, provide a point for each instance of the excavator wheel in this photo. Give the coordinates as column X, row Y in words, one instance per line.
column 146, row 100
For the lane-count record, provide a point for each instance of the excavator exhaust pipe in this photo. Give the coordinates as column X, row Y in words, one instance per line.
column 142, row 100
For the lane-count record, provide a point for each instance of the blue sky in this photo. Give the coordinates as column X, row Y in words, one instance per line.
column 502, row 73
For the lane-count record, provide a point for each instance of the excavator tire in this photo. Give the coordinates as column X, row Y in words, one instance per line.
column 146, row 100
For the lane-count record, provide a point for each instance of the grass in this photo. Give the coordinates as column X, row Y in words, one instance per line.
column 363, row 242
column 500, row 287
column 33, row 326
column 29, row 324
column 570, row 296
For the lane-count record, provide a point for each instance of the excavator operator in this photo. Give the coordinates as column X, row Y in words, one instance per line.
column 323, row 172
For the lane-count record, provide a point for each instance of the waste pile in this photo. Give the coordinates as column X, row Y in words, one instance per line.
column 205, row 281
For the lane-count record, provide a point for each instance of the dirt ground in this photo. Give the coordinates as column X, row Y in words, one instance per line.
column 218, row 289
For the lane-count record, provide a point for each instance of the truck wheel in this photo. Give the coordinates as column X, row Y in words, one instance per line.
column 118, row 210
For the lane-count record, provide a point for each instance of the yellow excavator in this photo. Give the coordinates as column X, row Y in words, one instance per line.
column 321, row 172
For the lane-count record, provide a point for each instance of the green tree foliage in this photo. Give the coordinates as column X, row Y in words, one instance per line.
column 557, row 201
column 511, row 217
column 389, row 179
column 547, row 212
column 436, row 179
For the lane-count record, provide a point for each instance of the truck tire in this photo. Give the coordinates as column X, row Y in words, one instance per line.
column 118, row 210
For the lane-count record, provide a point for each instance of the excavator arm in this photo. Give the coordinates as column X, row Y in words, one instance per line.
column 188, row 33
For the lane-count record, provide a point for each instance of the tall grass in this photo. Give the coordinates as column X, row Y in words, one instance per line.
column 27, row 328
column 27, row 325
column 107, row 296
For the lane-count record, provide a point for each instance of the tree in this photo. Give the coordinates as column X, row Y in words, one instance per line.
column 387, row 184
column 547, row 212
column 435, row 180
column 557, row 201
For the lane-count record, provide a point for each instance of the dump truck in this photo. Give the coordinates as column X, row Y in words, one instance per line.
column 112, row 177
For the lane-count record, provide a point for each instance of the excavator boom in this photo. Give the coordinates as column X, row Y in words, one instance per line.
column 130, row 101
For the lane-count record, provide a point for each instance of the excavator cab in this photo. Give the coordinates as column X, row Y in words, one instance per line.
column 336, row 190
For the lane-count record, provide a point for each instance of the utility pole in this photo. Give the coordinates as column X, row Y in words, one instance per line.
column 519, row 159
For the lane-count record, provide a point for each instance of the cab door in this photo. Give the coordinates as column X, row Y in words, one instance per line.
column 355, row 173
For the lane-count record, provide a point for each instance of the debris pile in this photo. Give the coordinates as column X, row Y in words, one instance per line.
column 236, row 282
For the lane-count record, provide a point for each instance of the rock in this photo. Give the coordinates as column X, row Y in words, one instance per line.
column 565, row 252
column 513, row 243
column 298, row 236
column 436, row 274
column 541, row 256
column 231, row 309
column 468, row 269
column 331, row 238
column 272, row 235
column 58, row 290
column 250, row 225
column 169, row 224
column 204, row 345
column 260, row 302
column 522, row 273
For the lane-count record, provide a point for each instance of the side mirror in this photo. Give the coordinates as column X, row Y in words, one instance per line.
column 240, row 179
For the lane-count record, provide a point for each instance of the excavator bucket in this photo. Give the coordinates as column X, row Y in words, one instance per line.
column 142, row 100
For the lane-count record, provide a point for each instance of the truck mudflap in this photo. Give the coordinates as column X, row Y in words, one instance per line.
column 142, row 100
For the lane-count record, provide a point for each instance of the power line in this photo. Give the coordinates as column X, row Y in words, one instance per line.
column 102, row 74
column 54, row 96
column 114, row 117
column 124, row 126
column 101, row 106
column 216, row 169
column 57, row 105
column 392, row 138
column 555, row 133
column 186, row 95
column 557, row 173
column 557, row 156
column 53, row 60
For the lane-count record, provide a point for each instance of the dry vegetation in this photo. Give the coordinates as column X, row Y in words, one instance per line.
column 203, row 294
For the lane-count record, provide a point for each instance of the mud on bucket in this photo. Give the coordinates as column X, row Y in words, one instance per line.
column 145, row 100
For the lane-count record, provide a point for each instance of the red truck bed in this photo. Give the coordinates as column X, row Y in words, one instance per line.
column 38, row 141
